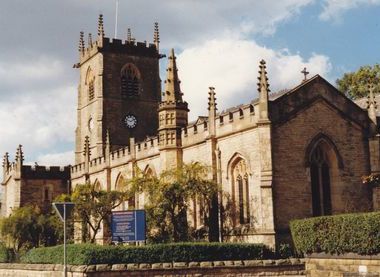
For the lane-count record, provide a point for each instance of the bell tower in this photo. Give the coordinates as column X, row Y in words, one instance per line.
column 118, row 92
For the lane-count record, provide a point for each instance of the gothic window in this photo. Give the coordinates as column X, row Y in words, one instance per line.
column 130, row 81
column 320, row 181
column 121, row 184
column 240, row 192
column 221, row 120
column 90, row 84
column 231, row 116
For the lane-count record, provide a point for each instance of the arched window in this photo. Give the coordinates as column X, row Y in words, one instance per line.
column 240, row 191
column 324, row 163
column 320, row 181
column 90, row 84
column 130, row 81
column 97, row 185
column 121, row 185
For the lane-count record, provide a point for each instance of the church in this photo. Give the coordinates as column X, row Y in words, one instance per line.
column 294, row 154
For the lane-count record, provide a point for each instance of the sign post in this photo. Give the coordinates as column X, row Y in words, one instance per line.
column 64, row 210
column 128, row 226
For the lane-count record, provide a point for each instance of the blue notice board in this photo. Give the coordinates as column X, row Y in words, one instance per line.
column 128, row 226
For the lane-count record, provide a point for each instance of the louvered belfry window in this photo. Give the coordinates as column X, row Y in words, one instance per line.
column 130, row 81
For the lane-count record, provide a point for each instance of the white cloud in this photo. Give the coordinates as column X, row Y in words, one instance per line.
column 231, row 66
column 41, row 122
column 60, row 159
column 333, row 9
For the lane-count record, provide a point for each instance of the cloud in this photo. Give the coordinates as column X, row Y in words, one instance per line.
column 231, row 67
column 31, row 75
column 38, row 84
column 42, row 122
column 334, row 9
column 60, row 159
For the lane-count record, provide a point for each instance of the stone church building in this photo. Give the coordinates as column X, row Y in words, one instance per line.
column 294, row 154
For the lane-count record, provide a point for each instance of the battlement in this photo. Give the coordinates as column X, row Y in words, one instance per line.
column 77, row 168
column 107, row 45
column 172, row 104
column 228, row 121
column 146, row 148
column 45, row 172
column 143, row 149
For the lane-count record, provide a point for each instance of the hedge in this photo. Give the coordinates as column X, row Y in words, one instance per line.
column 355, row 233
column 85, row 254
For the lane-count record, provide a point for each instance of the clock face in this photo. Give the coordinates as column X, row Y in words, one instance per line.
column 130, row 121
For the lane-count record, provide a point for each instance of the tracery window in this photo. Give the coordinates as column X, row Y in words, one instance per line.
column 240, row 192
column 130, row 81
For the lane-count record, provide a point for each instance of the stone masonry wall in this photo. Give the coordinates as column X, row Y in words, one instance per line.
column 292, row 187
column 349, row 265
column 285, row 268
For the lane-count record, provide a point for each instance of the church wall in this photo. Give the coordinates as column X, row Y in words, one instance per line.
column 33, row 191
column 292, row 184
column 245, row 145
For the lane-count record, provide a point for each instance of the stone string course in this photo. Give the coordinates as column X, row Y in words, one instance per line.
column 283, row 267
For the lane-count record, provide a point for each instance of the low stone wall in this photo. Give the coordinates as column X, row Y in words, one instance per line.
column 284, row 268
column 349, row 265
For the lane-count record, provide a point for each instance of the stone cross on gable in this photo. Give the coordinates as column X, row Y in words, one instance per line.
column 305, row 73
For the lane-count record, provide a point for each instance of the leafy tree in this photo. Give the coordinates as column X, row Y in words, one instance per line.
column 167, row 199
column 94, row 207
column 29, row 227
column 355, row 84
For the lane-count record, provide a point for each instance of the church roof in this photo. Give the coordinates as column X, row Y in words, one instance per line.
column 291, row 102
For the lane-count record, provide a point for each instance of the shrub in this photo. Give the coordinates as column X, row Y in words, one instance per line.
column 285, row 251
column 355, row 233
column 79, row 254
column 6, row 254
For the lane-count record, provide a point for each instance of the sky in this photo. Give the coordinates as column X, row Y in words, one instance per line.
column 218, row 43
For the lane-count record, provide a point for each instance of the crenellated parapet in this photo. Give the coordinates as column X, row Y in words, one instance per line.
column 105, row 44
column 45, row 172
column 147, row 148
column 17, row 170
column 120, row 46
column 140, row 150
column 227, row 122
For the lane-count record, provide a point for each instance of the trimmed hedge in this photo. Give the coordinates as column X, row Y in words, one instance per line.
column 355, row 233
column 85, row 254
